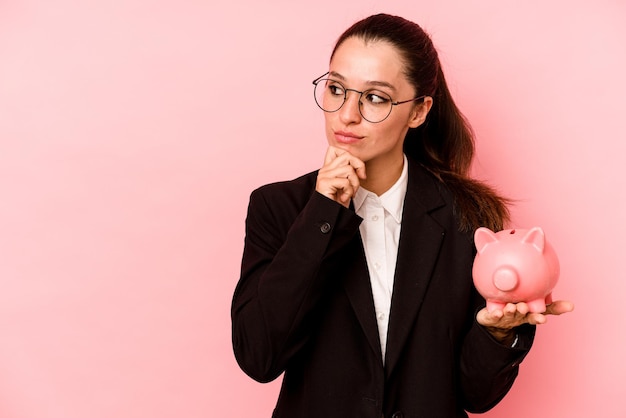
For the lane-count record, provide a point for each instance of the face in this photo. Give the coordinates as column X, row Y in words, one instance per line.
column 364, row 66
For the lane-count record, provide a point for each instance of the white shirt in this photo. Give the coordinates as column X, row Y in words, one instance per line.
column 380, row 232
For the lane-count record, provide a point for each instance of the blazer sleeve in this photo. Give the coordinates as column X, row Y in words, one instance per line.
column 285, row 246
column 489, row 368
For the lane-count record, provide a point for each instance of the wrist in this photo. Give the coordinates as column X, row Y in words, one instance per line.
column 503, row 336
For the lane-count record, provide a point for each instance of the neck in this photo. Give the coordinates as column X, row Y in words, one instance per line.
column 381, row 175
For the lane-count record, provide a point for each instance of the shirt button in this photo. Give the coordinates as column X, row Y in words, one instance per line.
column 377, row 266
column 375, row 218
column 325, row 228
column 381, row 316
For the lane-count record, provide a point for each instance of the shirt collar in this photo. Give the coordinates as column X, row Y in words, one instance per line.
column 392, row 200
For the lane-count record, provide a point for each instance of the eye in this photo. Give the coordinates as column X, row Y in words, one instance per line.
column 376, row 97
column 335, row 88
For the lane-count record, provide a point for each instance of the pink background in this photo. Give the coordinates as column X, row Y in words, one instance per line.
column 132, row 132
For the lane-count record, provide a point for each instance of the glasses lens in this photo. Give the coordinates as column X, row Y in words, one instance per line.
column 375, row 105
column 329, row 95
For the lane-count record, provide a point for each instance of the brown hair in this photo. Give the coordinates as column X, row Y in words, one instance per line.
column 444, row 143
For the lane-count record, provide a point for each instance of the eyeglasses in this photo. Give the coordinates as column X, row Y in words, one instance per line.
column 374, row 105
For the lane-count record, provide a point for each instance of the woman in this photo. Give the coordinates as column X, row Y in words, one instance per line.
column 356, row 279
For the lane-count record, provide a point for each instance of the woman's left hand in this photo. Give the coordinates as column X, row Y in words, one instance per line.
column 501, row 322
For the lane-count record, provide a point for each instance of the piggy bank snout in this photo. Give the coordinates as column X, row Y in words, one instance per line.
column 505, row 279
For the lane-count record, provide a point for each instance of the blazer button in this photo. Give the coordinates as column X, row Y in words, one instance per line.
column 397, row 415
column 325, row 228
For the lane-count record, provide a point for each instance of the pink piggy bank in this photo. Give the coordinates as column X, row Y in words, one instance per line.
column 515, row 265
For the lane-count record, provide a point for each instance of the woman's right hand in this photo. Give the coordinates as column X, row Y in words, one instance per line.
column 339, row 178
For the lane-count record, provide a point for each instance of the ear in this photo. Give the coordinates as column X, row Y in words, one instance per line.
column 484, row 237
column 420, row 111
column 536, row 238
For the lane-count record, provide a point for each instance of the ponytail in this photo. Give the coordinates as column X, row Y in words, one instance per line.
column 444, row 145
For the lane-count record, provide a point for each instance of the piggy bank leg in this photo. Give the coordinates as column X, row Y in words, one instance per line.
column 493, row 305
column 537, row 305
column 549, row 298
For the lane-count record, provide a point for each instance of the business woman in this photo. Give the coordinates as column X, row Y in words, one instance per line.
column 356, row 279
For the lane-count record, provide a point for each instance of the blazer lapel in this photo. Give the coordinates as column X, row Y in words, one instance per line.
column 420, row 242
column 359, row 290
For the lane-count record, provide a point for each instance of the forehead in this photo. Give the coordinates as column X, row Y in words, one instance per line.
column 361, row 62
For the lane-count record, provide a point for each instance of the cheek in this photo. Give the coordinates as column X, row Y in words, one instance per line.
column 393, row 127
column 392, row 134
column 327, row 119
column 328, row 125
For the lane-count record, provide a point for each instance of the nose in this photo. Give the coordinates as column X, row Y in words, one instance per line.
column 349, row 112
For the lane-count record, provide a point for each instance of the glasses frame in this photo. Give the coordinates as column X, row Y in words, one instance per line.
column 345, row 98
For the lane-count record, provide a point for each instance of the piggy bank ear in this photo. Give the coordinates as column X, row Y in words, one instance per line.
column 484, row 237
column 536, row 238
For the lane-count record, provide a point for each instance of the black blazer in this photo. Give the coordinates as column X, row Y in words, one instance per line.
column 304, row 306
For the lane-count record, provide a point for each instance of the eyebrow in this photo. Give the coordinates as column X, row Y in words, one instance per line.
column 371, row 83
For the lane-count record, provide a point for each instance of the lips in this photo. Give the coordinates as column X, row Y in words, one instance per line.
column 347, row 137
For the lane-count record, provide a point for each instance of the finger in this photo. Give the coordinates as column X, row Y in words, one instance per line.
column 342, row 166
column 559, row 307
column 331, row 171
column 345, row 194
column 336, row 158
column 345, row 197
column 332, row 153
column 522, row 308
column 536, row 319
column 359, row 167
column 510, row 309
column 338, row 189
column 344, row 172
column 486, row 318
column 354, row 180
column 504, row 319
